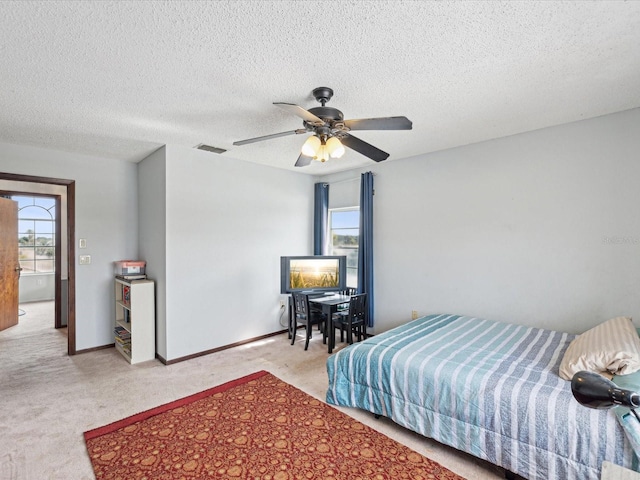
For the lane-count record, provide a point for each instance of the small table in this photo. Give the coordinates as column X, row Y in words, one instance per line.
column 329, row 305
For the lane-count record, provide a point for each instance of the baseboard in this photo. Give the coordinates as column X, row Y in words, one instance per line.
column 199, row 354
column 218, row 349
column 94, row 349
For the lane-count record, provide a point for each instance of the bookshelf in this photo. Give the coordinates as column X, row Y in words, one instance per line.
column 135, row 320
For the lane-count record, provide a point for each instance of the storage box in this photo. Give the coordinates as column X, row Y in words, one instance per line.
column 130, row 267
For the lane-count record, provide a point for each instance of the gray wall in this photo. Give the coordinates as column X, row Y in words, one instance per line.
column 537, row 229
column 152, row 234
column 226, row 223
column 37, row 287
column 106, row 215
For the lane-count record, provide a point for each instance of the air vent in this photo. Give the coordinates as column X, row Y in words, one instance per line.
column 209, row 148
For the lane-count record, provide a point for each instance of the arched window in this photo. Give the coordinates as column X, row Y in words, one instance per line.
column 36, row 234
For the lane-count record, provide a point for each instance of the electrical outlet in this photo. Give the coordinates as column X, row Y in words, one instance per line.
column 414, row 314
column 281, row 303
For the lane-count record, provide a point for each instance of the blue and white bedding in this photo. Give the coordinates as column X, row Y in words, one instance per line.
column 487, row 388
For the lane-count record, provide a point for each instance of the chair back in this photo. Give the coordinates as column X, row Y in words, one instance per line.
column 357, row 309
column 349, row 291
column 300, row 306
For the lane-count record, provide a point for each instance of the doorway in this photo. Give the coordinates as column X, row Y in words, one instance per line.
column 14, row 184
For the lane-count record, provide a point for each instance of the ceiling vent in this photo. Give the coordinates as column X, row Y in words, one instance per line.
column 209, row 148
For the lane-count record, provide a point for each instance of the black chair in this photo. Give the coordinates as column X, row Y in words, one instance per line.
column 349, row 291
column 302, row 314
column 351, row 320
column 345, row 306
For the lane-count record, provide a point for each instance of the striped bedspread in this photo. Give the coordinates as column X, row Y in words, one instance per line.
column 488, row 388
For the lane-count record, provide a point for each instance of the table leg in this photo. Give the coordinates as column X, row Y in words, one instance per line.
column 332, row 331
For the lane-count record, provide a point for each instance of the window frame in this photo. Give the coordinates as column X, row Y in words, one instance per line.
column 352, row 271
column 30, row 266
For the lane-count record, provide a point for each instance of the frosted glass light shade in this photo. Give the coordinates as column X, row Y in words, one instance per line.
column 336, row 149
column 311, row 146
column 323, row 154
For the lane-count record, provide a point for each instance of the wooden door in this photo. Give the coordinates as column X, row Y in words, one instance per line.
column 9, row 264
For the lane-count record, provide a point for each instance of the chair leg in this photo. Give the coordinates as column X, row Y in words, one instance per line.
column 331, row 333
column 349, row 334
column 325, row 326
column 293, row 333
column 309, row 327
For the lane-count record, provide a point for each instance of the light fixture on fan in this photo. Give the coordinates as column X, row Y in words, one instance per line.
column 322, row 148
column 331, row 133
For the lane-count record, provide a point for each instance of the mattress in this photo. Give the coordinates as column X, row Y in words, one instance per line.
column 484, row 387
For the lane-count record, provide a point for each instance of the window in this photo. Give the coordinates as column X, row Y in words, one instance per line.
column 36, row 234
column 344, row 226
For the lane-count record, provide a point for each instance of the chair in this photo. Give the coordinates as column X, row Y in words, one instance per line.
column 349, row 291
column 302, row 314
column 344, row 307
column 353, row 320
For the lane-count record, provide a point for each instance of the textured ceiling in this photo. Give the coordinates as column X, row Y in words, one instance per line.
column 119, row 78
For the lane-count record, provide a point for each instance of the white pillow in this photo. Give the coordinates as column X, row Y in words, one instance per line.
column 613, row 347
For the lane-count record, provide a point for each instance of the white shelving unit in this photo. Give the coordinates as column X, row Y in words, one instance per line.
column 135, row 322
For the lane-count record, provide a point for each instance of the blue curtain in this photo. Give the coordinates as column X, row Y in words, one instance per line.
column 321, row 219
column 365, row 251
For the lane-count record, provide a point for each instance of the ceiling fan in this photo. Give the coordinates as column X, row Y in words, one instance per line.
column 331, row 132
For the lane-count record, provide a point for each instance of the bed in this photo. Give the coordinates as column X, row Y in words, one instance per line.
column 484, row 387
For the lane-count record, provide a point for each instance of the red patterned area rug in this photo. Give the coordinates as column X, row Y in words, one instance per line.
column 255, row 427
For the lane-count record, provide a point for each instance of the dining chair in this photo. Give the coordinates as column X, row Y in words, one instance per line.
column 349, row 291
column 352, row 320
column 302, row 314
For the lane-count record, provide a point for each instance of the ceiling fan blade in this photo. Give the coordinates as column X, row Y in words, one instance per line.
column 382, row 123
column 300, row 112
column 364, row 148
column 268, row 137
column 303, row 161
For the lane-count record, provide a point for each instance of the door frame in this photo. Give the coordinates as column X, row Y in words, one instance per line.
column 71, row 273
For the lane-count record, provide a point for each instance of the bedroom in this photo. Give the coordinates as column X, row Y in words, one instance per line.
column 534, row 228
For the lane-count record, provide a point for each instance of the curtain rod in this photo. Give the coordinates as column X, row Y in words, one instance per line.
column 347, row 180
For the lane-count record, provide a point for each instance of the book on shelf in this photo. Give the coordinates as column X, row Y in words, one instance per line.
column 122, row 333
column 126, row 294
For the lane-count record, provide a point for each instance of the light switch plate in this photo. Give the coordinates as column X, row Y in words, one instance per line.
column 82, row 243
column 85, row 259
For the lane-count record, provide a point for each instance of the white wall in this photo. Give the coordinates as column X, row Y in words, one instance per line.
column 106, row 215
column 537, row 229
column 227, row 223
